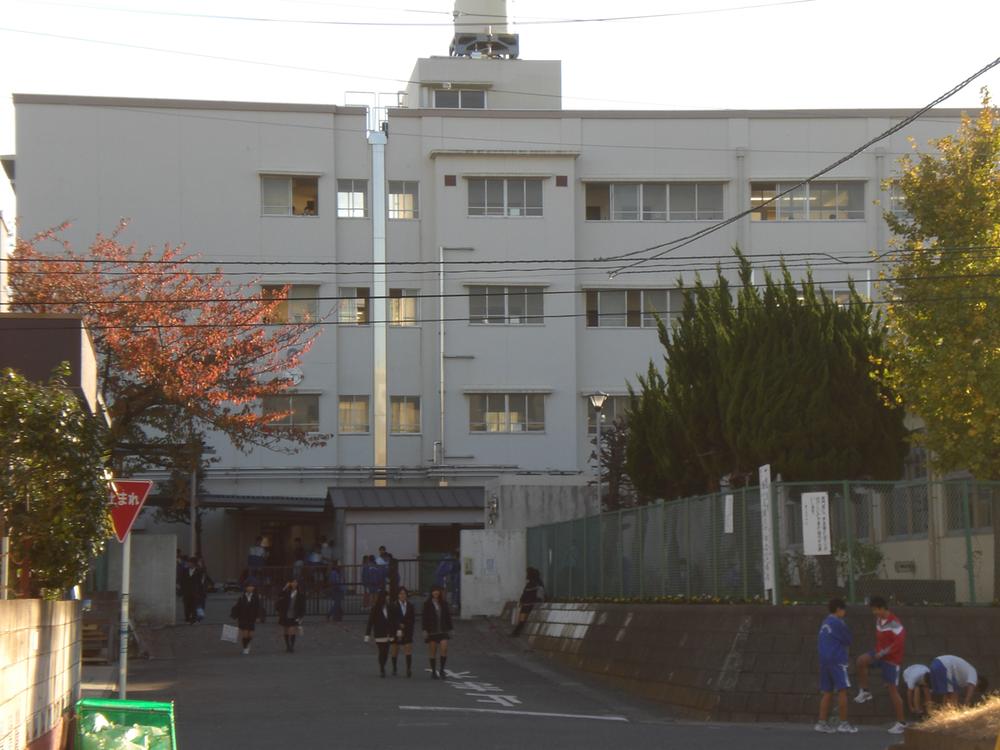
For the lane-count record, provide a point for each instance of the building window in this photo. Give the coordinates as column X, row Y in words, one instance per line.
column 352, row 200
column 980, row 498
column 299, row 411
column 352, row 414
column 506, row 305
column 632, row 308
column 403, row 306
column 352, row 305
column 289, row 196
column 405, row 414
column 459, row 99
column 505, row 197
column 298, row 304
column 653, row 201
column 403, row 200
column 897, row 203
column 905, row 510
column 817, row 201
column 614, row 407
column 506, row 412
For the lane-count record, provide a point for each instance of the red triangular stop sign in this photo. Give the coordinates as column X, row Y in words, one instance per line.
column 125, row 501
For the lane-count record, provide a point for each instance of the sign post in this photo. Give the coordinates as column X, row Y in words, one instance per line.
column 767, row 532
column 125, row 500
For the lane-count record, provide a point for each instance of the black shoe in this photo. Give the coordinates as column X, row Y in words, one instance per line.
column 409, row 673
column 443, row 675
column 434, row 675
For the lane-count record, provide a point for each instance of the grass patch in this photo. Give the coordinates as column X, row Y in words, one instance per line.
column 978, row 722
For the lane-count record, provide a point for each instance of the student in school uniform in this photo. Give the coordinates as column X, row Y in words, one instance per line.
column 290, row 608
column 246, row 612
column 437, row 627
column 381, row 629
column 404, row 616
column 887, row 656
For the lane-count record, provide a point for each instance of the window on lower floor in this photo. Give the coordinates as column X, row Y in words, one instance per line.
column 506, row 305
column 403, row 306
column 614, row 407
column 905, row 510
column 296, row 410
column 352, row 414
column 352, row 200
column 352, row 305
column 979, row 498
column 632, row 308
column 653, row 201
column 403, row 200
column 506, row 412
column 404, row 414
column 289, row 196
column 505, row 196
column 816, row 201
column 298, row 305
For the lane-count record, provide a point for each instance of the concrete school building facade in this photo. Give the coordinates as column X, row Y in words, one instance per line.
column 447, row 251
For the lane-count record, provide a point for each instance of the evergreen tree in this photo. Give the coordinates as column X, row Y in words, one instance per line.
column 782, row 375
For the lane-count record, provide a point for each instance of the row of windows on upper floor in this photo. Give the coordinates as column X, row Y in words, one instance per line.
column 491, row 305
column 604, row 201
column 514, row 412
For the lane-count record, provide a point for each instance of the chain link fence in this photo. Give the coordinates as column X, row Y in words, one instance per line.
column 913, row 542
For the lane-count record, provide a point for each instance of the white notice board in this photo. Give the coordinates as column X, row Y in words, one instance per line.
column 729, row 515
column 816, row 523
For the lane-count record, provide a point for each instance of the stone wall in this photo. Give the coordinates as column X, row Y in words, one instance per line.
column 39, row 671
column 744, row 662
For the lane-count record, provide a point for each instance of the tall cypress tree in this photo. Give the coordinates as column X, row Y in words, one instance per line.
column 782, row 374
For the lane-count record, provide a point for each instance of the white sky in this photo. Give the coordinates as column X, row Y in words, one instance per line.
column 805, row 54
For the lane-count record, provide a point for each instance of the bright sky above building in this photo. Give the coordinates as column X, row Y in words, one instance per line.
column 694, row 54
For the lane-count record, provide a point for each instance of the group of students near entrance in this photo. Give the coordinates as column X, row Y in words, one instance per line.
column 944, row 679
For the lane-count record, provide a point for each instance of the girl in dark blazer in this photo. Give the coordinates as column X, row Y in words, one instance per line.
column 436, row 624
column 246, row 612
column 404, row 617
column 290, row 608
column 381, row 627
column 533, row 593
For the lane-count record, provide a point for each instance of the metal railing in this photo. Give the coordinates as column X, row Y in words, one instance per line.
column 909, row 541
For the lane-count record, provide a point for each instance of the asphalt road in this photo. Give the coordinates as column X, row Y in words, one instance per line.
column 499, row 695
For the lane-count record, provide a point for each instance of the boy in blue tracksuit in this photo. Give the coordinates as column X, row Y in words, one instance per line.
column 834, row 638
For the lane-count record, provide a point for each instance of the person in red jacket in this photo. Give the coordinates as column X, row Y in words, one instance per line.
column 890, row 639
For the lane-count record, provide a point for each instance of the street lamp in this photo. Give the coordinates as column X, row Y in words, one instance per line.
column 597, row 401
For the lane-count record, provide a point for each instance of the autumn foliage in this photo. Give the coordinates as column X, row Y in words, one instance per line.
column 181, row 350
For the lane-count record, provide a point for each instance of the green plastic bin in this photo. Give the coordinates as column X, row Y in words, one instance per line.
column 107, row 724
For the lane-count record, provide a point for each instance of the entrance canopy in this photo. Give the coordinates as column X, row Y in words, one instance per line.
column 406, row 498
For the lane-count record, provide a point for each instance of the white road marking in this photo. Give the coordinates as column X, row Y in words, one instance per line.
column 513, row 713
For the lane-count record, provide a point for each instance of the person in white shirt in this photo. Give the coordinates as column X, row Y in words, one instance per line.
column 918, row 694
column 945, row 678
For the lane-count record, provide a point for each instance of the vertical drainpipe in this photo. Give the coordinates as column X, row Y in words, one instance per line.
column 441, row 453
column 379, row 311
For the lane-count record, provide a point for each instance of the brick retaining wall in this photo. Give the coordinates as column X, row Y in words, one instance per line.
column 744, row 662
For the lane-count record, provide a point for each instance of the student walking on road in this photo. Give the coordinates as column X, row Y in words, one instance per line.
column 437, row 627
column 381, row 627
column 290, row 608
column 890, row 638
column 833, row 641
column 404, row 617
column 246, row 612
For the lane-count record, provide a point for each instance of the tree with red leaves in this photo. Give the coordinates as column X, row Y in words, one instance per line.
column 182, row 352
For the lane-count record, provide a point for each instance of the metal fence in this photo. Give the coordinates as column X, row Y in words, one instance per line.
column 910, row 541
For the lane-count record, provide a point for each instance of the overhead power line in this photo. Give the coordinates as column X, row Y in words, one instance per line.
column 479, row 21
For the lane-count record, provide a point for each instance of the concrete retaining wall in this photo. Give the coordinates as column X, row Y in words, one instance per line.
column 39, row 671
column 743, row 663
column 152, row 588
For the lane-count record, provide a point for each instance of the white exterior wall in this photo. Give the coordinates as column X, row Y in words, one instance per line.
column 190, row 172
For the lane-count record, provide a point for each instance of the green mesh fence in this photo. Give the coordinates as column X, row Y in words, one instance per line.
column 913, row 542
